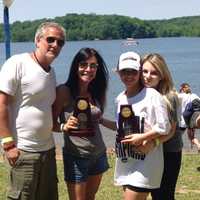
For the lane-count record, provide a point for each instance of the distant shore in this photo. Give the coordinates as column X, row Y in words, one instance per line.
column 109, row 138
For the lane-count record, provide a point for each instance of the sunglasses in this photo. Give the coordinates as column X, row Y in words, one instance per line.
column 51, row 40
column 85, row 65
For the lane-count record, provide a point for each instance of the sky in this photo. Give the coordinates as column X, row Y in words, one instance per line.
column 22, row 10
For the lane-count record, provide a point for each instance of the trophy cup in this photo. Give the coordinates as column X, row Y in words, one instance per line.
column 128, row 123
column 82, row 111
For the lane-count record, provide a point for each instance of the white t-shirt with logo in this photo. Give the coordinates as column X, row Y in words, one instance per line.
column 144, row 172
column 33, row 91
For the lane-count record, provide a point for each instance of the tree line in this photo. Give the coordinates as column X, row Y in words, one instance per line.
column 103, row 27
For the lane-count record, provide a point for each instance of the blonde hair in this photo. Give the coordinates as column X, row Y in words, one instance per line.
column 166, row 85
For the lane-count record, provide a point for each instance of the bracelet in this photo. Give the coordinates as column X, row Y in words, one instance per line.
column 62, row 127
column 7, row 148
column 6, row 140
column 157, row 142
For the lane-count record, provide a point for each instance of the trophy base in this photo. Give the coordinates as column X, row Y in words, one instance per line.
column 89, row 132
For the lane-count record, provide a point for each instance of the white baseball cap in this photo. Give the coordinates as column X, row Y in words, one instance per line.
column 129, row 60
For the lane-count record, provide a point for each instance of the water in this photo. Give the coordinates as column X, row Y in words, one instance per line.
column 182, row 56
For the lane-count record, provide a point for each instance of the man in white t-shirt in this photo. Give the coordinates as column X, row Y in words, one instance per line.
column 27, row 92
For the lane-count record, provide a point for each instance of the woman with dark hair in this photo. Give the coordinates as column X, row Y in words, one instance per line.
column 84, row 155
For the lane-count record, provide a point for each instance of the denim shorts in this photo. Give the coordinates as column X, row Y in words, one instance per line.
column 78, row 169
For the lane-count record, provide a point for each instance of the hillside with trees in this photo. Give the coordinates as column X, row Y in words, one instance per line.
column 92, row 26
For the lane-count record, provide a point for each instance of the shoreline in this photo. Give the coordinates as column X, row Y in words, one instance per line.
column 109, row 138
column 110, row 152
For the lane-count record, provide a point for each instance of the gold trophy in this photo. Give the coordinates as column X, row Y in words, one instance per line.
column 82, row 112
column 128, row 123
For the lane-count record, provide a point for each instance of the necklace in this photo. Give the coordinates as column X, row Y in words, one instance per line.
column 36, row 59
column 34, row 55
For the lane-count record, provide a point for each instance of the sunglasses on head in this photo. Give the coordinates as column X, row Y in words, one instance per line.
column 86, row 65
column 51, row 40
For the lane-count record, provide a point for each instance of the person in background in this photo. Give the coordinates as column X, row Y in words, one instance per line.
column 191, row 120
column 84, row 156
column 27, row 92
column 139, row 174
column 155, row 74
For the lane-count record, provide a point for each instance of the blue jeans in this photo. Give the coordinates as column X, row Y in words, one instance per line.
column 78, row 169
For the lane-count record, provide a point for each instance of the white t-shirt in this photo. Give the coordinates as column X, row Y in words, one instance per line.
column 185, row 99
column 147, row 172
column 33, row 92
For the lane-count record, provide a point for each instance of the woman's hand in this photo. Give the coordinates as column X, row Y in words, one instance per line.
column 134, row 139
column 71, row 123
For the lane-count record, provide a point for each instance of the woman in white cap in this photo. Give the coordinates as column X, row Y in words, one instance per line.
column 137, row 172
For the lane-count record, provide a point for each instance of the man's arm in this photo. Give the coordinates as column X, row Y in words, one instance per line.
column 4, row 115
column 7, row 140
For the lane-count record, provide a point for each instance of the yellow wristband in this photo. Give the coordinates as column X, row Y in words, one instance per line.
column 157, row 142
column 6, row 140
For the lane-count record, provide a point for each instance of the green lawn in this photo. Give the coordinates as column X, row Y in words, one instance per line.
column 188, row 187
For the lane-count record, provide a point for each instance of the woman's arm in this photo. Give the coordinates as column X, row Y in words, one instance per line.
column 138, row 138
column 148, row 146
column 108, row 123
column 62, row 99
column 164, row 138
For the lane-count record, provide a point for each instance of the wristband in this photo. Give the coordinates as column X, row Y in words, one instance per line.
column 62, row 127
column 6, row 140
column 7, row 148
column 157, row 142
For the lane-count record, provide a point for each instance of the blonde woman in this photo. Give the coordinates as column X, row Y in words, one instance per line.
column 155, row 74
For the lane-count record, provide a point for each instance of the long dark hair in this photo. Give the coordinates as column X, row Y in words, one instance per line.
column 97, row 88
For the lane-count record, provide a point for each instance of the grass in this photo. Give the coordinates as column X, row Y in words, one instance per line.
column 188, row 186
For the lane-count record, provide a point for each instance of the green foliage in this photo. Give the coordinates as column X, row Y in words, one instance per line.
column 92, row 26
column 183, row 26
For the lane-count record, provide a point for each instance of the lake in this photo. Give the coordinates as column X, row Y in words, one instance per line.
column 182, row 56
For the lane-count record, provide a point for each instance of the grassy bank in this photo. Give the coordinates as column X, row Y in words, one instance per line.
column 188, row 187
